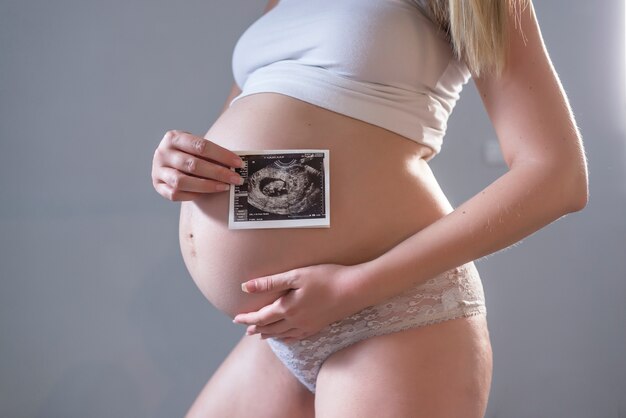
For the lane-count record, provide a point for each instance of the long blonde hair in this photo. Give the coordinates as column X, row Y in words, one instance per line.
column 478, row 30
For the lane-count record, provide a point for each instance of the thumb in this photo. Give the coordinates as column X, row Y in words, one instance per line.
column 266, row 284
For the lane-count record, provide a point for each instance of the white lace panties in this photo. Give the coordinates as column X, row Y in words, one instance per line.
column 455, row 293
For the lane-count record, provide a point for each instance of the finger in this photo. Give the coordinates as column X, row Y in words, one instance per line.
column 289, row 336
column 272, row 283
column 264, row 316
column 276, row 328
column 198, row 167
column 175, row 195
column 200, row 147
column 184, row 183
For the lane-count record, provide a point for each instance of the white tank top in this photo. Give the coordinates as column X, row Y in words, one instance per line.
column 380, row 61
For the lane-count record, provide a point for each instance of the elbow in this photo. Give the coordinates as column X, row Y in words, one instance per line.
column 566, row 183
column 579, row 202
column 566, row 177
column 578, row 182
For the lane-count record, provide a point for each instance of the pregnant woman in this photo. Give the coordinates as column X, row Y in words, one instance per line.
column 383, row 313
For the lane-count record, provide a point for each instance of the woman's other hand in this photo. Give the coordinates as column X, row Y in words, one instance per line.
column 318, row 296
column 186, row 166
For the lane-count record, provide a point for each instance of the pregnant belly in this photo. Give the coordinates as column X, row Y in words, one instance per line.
column 381, row 192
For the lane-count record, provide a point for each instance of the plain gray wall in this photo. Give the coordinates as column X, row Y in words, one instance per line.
column 98, row 315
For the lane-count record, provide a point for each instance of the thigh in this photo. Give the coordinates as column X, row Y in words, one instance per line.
column 435, row 371
column 252, row 382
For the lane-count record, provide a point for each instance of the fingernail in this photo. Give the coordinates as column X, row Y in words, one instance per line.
column 237, row 180
column 238, row 162
column 223, row 186
column 243, row 287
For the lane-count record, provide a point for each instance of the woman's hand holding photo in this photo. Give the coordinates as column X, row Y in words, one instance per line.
column 182, row 167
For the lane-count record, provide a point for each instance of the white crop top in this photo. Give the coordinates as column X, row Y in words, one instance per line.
column 380, row 61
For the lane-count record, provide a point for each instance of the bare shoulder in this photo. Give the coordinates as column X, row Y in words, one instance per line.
column 527, row 104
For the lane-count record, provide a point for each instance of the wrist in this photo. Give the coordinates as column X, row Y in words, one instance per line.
column 354, row 286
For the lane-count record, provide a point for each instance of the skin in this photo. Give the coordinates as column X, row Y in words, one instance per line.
column 547, row 178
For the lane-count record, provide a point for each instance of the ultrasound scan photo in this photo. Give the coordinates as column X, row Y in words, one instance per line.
column 281, row 189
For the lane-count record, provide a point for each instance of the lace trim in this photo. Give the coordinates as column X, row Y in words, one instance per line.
column 455, row 293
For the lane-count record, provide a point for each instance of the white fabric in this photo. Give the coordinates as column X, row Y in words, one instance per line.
column 381, row 61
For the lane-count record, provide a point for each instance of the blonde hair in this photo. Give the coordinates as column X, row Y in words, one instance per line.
column 478, row 30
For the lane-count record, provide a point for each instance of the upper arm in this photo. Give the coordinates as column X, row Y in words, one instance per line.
column 527, row 105
column 234, row 92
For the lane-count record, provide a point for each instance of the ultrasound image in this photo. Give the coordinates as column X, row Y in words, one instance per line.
column 285, row 190
column 281, row 187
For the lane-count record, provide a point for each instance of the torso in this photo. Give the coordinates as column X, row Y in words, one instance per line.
column 381, row 192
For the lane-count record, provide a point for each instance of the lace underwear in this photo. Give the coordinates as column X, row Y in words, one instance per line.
column 454, row 293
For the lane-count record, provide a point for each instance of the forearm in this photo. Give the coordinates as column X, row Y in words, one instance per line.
column 514, row 206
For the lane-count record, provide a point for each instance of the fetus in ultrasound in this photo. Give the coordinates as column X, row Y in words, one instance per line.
column 285, row 188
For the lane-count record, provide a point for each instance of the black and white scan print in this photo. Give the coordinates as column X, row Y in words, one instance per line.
column 281, row 189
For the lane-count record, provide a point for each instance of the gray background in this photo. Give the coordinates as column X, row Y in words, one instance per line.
column 98, row 315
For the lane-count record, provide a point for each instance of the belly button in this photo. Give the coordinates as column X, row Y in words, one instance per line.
column 192, row 249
